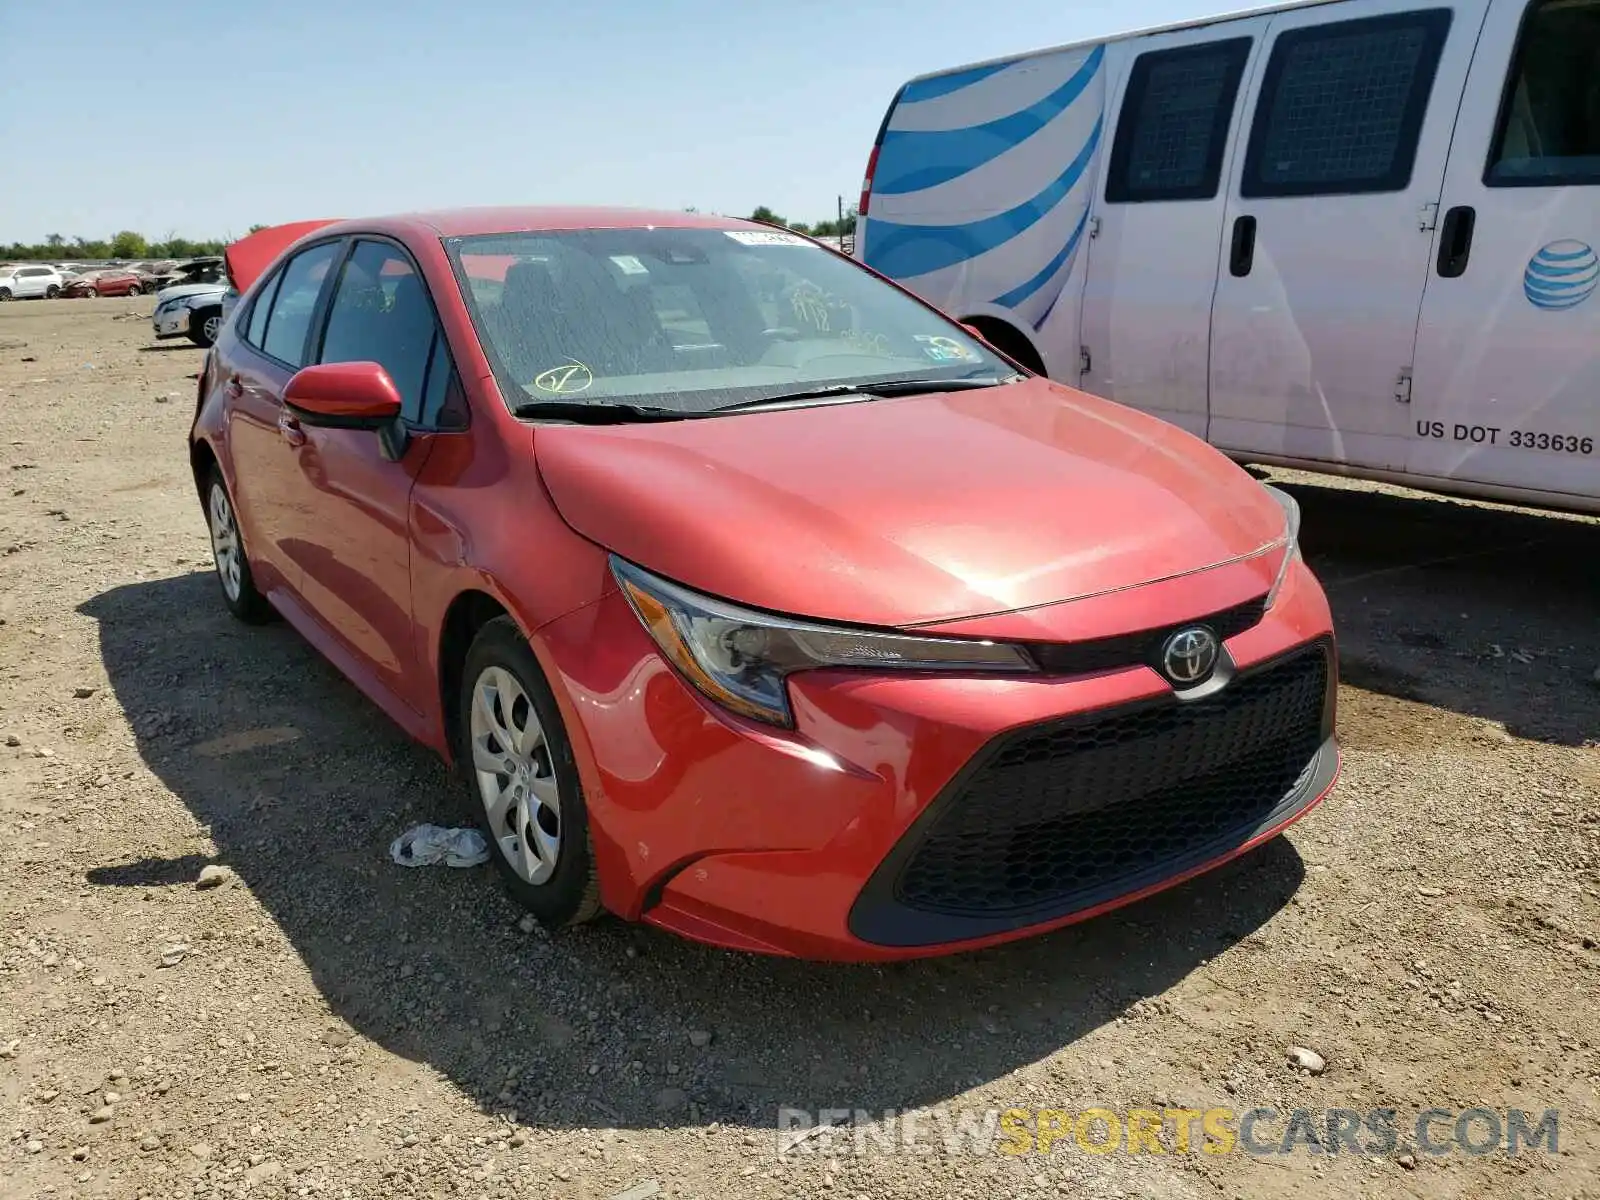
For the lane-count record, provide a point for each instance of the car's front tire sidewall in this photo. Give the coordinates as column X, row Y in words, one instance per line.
column 571, row 894
column 249, row 605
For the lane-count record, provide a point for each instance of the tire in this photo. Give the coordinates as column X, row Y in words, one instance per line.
column 209, row 325
column 227, row 553
column 551, row 874
column 136, row 290
column 5, row 294
column 51, row 292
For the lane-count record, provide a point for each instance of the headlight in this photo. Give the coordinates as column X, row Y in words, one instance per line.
column 740, row 658
column 1291, row 550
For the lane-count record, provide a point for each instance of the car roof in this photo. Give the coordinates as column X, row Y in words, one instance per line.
column 466, row 222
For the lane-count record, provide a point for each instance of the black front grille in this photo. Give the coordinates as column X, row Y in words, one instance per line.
column 1066, row 815
column 1129, row 649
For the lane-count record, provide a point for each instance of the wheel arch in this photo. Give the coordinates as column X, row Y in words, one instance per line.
column 1007, row 337
column 469, row 612
column 202, row 461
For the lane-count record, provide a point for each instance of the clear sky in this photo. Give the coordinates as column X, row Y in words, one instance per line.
column 201, row 120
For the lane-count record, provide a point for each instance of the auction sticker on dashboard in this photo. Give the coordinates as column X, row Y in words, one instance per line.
column 757, row 237
column 943, row 349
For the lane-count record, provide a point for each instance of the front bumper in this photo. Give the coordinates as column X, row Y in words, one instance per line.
column 914, row 815
column 171, row 322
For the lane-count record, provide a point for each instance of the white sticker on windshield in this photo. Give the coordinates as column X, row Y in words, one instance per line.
column 756, row 237
column 629, row 265
column 943, row 349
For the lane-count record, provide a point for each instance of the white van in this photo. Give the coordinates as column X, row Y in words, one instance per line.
column 1351, row 235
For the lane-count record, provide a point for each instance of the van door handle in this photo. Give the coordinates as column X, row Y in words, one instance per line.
column 1455, row 241
column 1242, row 254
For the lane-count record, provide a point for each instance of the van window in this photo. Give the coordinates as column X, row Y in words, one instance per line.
column 1342, row 104
column 1549, row 131
column 1174, row 123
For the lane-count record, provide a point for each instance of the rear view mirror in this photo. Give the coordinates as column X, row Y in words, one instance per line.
column 349, row 395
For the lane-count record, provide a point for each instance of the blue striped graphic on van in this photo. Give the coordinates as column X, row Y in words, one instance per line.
column 943, row 85
column 902, row 251
column 1562, row 275
column 981, row 192
column 921, row 159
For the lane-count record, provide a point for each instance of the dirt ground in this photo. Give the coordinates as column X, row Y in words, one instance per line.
column 342, row 1027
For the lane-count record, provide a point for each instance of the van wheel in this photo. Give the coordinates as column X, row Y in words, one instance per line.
column 521, row 781
column 204, row 326
column 5, row 294
column 51, row 292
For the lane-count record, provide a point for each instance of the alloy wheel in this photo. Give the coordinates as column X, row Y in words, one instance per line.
column 516, row 780
column 225, row 542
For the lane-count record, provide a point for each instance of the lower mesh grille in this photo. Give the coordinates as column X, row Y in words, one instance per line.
column 1070, row 809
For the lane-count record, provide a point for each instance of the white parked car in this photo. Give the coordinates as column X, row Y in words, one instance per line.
column 1359, row 236
column 26, row 282
column 192, row 310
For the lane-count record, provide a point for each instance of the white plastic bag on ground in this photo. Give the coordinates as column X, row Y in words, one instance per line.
column 425, row 845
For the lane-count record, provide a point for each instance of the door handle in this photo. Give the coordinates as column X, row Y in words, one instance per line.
column 234, row 387
column 1455, row 241
column 1242, row 254
column 290, row 429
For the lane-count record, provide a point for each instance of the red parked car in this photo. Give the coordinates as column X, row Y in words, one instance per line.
column 105, row 283
column 753, row 597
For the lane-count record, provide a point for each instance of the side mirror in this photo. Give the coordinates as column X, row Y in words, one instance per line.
column 348, row 395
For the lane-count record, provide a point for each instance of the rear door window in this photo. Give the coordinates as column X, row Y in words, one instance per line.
column 289, row 320
column 1342, row 104
column 1174, row 124
column 257, row 329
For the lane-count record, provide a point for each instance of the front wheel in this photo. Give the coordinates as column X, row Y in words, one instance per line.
column 204, row 326
column 51, row 292
column 227, row 552
column 5, row 294
column 521, row 781
column 135, row 290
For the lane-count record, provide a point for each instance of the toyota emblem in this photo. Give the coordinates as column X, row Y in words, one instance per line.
column 1189, row 655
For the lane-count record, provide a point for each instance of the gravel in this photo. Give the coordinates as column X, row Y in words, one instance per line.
column 400, row 1036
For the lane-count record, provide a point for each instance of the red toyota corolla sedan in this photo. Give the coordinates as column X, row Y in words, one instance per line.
column 753, row 597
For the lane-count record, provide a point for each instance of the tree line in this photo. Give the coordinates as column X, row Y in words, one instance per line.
column 130, row 244
column 124, row 244
column 821, row 229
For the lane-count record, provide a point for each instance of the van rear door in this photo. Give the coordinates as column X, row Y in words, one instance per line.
column 1153, row 255
column 1329, row 229
column 1507, row 388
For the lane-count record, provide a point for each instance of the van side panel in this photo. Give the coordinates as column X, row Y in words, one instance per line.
column 981, row 195
column 1507, row 386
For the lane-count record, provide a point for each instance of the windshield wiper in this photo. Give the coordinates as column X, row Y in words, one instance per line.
column 598, row 414
column 889, row 387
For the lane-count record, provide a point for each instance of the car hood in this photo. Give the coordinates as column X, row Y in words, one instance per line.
column 189, row 289
column 911, row 510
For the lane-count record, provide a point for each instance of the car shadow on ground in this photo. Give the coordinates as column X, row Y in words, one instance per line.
column 303, row 784
column 1487, row 612
column 169, row 347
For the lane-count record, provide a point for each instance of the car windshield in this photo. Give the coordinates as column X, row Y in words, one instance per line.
column 693, row 320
